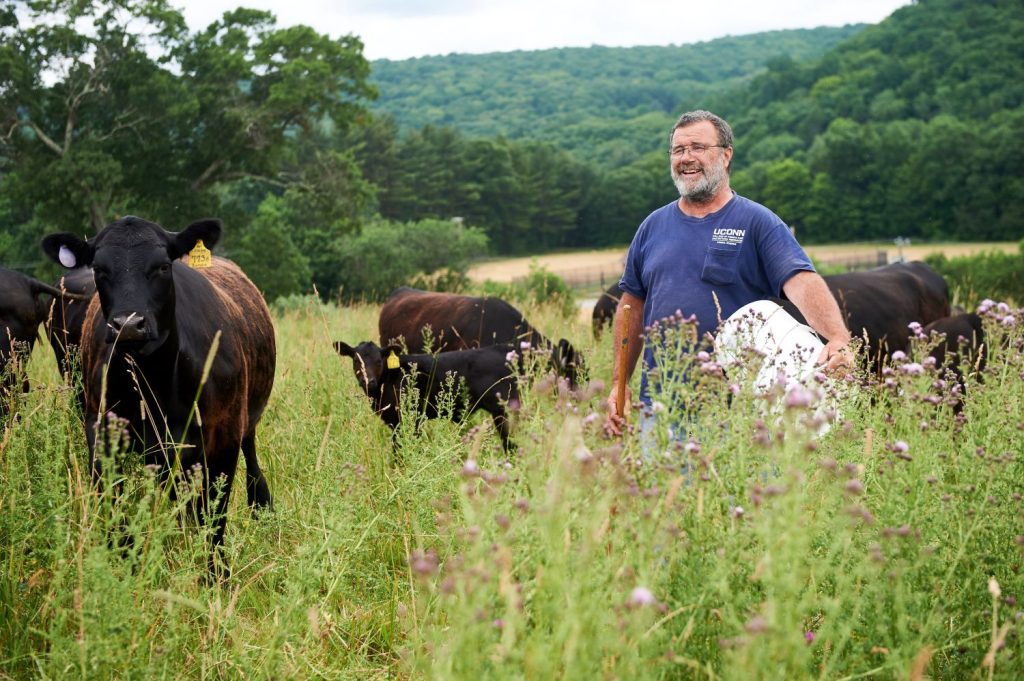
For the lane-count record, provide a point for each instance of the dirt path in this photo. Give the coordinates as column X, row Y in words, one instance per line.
column 610, row 259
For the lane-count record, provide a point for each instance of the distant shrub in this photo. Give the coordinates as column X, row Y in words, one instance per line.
column 270, row 257
column 999, row 276
column 385, row 255
column 540, row 287
column 296, row 303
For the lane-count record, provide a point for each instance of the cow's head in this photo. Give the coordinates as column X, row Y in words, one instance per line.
column 370, row 363
column 131, row 261
column 21, row 312
column 567, row 362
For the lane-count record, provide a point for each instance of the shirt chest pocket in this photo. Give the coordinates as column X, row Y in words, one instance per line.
column 720, row 265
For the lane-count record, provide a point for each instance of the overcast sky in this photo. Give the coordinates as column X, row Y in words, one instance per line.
column 399, row 29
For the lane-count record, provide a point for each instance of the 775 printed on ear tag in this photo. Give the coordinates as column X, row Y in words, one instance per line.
column 200, row 256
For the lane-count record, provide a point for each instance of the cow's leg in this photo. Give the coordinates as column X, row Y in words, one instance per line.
column 219, row 476
column 97, row 434
column 501, row 423
column 256, row 489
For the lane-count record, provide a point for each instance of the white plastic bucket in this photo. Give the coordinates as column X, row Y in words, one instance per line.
column 788, row 347
column 763, row 341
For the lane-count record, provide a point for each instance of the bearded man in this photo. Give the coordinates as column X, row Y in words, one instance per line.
column 708, row 254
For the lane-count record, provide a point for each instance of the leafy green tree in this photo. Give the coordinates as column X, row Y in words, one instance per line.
column 270, row 257
column 623, row 198
column 112, row 107
column 388, row 254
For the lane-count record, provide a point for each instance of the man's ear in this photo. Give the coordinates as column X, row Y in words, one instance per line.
column 68, row 250
column 207, row 230
column 344, row 349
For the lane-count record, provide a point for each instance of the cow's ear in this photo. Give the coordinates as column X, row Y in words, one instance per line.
column 391, row 356
column 561, row 353
column 572, row 356
column 68, row 250
column 208, row 231
column 344, row 349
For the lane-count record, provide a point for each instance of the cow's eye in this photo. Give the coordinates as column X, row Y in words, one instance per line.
column 160, row 270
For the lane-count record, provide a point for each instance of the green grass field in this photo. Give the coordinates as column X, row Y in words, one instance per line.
column 891, row 547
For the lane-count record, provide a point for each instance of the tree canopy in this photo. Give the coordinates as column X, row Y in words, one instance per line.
column 910, row 128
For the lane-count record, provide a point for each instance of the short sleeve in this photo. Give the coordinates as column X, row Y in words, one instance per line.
column 632, row 274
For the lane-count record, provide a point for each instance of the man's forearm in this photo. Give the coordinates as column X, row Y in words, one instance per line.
column 633, row 335
column 811, row 295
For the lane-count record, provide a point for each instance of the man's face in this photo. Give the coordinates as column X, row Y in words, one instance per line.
column 698, row 165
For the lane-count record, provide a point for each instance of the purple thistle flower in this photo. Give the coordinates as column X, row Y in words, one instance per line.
column 756, row 625
column 641, row 596
column 422, row 563
column 854, row 487
column 799, row 398
column 912, row 369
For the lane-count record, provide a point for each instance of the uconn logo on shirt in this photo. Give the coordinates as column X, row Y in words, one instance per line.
column 728, row 236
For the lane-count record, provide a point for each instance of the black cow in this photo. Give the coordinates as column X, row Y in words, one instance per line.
column 459, row 322
column 961, row 341
column 151, row 329
column 604, row 309
column 67, row 316
column 486, row 375
column 21, row 312
column 881, row 303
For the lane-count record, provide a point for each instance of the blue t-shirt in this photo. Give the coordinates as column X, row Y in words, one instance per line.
column 741, row 253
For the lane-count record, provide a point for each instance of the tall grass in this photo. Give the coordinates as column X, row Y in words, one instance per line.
column 889, row 547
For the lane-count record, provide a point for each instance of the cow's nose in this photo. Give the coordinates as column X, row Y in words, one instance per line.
column 128, row 326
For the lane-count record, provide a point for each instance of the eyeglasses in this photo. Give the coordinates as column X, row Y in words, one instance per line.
column 695, row 149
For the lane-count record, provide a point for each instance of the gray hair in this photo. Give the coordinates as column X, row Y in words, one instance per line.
column 691, row 117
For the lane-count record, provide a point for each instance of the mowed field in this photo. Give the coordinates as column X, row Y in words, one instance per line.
column 609, row 259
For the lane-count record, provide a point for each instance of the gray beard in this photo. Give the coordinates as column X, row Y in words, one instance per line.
column 706, row 187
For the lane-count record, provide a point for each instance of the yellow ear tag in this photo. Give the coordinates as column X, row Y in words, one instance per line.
column 393, row 360
column 200, row 256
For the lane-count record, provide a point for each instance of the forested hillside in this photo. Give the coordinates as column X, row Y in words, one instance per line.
column 607, row 105
column 911, row 127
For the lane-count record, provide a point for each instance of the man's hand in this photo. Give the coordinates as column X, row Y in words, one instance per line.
column 615, row 424
column 837, row 358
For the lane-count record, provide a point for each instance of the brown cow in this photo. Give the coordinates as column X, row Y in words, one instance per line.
column 148, row 338
column 459, row 322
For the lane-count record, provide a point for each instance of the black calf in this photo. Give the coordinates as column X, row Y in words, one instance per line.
column 487, row 375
